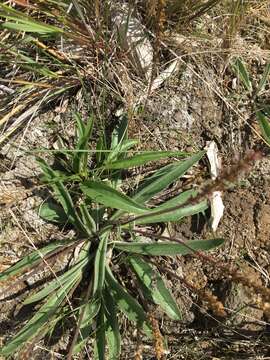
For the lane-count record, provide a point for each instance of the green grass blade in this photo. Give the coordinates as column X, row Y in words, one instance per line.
column 110, row 197
column 168, row 248
column 171, row 214
column 101, row 145
column 154, row 287
column 264, row 79
column 264, row 125
column 242, row 72
column 126, row 303
column 31, row 27
column 31, row 260
column 141, row 159
column 80, row 125
column 100, row 262
column 80, row 159
column 113, row 336
column 53, row 212
column 39, row 320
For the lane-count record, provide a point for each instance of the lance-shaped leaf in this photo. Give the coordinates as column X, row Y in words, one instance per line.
column 80, row 158
column 154, row 288
column 100, row 261
column 113, row 336
column 264, row 125
column 141, row 159
column 165, row 177
column 110, row 197
column 62, row 195
column 241, row 71
column 90, row 311
column 53, row 212
column 171, row 214
column 39, row 320
column 161, row 180
column 168, row 248
column 100, row 339
column 32, row 259
column 88, row 220
column 73, row 272
column 126, row 303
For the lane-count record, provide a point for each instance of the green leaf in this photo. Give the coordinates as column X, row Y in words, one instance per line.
column 21, row 22
column 119, row 133
column 161, row 180
column 168, row 248
column 32, row 260
column 31, row 26
column 264, row 79
column 126, row 303
column 241, row 71
column 264, row 125
column 165, row 177
column 62, row 195
column 80, row 125
column 39, row 320
column 88, row 220
column 112, row 328
column 52, row 212
column 99, row 350
column 178, row 199
column 73, row 272
column 110, row 197
column 101, row 145
column 141, row 159
column 80, row 158
column 119, row 151
column 155, row 287
column 171, row 214
column 100, row 262
column 90, row 311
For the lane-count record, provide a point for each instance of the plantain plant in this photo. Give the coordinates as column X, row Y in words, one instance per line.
column 91, row 194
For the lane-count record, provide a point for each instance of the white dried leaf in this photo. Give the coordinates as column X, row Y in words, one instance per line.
column 133, row 39
column 217, row 207
column 165, row 74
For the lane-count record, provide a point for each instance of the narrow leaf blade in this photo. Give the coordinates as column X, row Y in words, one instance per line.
column 241, row 71
column 39, row 320
column 126, row 303
column 100, row 261
column 110, row 197
column 141, row 159
column 167, row 248
column 172, row 214
column 112, row 329
column 31, row 260
column 264, row 125
column 155, row 286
